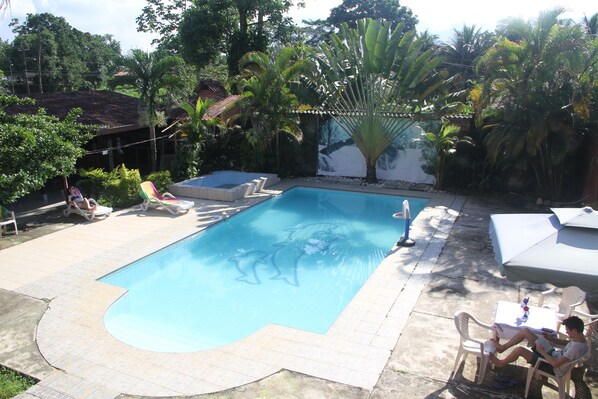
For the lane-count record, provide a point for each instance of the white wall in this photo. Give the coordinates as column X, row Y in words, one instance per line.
column 348, row 161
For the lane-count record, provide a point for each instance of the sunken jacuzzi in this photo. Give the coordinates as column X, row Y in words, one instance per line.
column 227, row 185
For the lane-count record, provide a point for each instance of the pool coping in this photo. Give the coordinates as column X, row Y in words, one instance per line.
column 72, row 338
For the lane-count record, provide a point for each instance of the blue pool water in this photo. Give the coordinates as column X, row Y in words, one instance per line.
column 294, row 260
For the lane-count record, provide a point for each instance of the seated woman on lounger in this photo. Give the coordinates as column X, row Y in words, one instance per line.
column 75, row 196
column 575, row 348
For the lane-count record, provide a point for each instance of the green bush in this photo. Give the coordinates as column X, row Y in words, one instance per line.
column 162, row 180
column 123, row 190
column 119, row 188
column 94, row 182
column 13, row 383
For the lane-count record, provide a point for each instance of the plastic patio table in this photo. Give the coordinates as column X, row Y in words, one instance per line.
column 508, row 319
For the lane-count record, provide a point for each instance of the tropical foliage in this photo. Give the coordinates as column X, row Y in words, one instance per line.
column 36, row 148
column 119, row 188
column 370, row 76
column 267, row 99
column 60, row 57
column 438, row 147
column 159, row 82
column 538, row 92
column 464, row 49
column 203, row 29
column 532, row 84
column 196, row 129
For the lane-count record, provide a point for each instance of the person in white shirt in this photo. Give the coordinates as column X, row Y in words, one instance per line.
column 542, row 346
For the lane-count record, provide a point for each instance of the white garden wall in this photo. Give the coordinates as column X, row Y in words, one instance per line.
column 336, row 159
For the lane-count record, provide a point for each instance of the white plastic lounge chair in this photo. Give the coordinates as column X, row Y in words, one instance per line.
column 6, row 219
column 562, row 381
column 152, row 197
column 478, row 347
column 89, row 214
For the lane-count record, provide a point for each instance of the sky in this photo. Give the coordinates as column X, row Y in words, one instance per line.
column 117, row 17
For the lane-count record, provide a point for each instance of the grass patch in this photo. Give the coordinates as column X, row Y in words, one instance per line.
column 13, row 383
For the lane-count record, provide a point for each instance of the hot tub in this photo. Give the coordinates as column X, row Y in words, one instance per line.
column 226, row 185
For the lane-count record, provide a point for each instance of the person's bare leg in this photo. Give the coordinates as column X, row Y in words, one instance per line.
column 517, row 338
column 88, row 205
column 511, row 357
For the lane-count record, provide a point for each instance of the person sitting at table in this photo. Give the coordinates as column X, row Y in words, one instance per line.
column 575, row 348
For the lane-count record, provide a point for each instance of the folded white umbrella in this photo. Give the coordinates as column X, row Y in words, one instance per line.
column 548, row 248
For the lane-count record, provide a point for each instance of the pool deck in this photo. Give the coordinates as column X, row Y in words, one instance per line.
column 395, row 337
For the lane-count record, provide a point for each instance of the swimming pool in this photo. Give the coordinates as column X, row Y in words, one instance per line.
column 296, row 260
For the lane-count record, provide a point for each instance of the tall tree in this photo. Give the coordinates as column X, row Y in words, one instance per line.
column 537, row 94
column 61, row 57
column 267, row 102
column 163, row 17
column 203, row 29
column 36, row 148
column 464, row 49
column 159, row 82
column 591, row 24
column 210, row 25
column 367, row 74
column 351, row 11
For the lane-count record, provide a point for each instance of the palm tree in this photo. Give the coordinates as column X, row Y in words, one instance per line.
column 464, row 49
column 374, row 80
column 591, row 24
column 196, row 128
column 438, row 147
column 536, row 92
column 267, row 99
column 158, row 80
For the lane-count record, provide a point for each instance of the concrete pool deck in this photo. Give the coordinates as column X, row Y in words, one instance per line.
column 375, row 349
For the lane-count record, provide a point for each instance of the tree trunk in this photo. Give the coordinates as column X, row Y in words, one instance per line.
column 439, row 184
column 243, row 24
column 370, row 176
column 277, row 153
column 153, row 149
column 39, row 66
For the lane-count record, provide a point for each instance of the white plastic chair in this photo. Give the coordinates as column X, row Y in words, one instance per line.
column 563, row 381
column 570, row 298
column 470, row 345
column 590, row 316
column 6, row 219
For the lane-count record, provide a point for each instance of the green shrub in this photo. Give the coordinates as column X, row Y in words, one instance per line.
column 94, row 182
column 161, row 180
column 119, row 188
column 123, row 190
column 13, row 383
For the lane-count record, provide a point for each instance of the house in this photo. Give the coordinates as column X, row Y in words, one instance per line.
column 121, row 137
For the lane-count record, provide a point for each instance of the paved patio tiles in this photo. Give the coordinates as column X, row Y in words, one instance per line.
column 396, row 338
